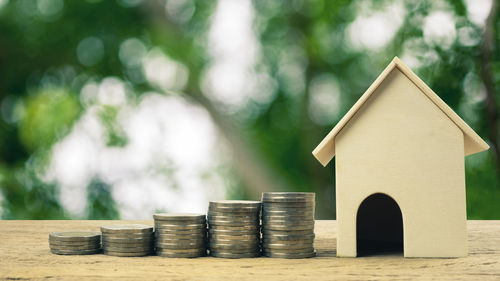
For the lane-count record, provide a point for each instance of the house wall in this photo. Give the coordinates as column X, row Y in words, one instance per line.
column 399, row 143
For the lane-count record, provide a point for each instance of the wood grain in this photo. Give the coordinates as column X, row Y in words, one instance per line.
column 24, row 254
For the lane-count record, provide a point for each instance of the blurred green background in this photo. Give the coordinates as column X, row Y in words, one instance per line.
column 117, row 109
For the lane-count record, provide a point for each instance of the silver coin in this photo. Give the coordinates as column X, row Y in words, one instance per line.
column 230, row 255
column 235, row 250
column 287, row 232
column 309, row 224
column 235, row 210
column 289, row 242
column 126, row 229
column 73, row 243
column 304, row 225
column 233, row 237
column 288, row 201
column 288, row 218
column 287, row 222
column 186, row 239
column 170, row 247
column 234, row 232
column 235, row 206
column 288, row 196
column 236, row 203
column 249, row 219
column 274, row 207
column 287, row 212
column 235, row 215
column 308, row 212
column 291, row 237
column 198, row 239
column 287, row 226
column 188, row 217
column 168, row 235
column 232, row 223
column 127, row 249
column 177, row 232
column 290, row 255
column 254, row 241
column 183, row 251
column 167, row 238
column 127, row 240
column 232, row 228
column 288, row 246
column 75, row 236
column 305, row 206
column 130, row 245
column 124, row 254
column 284, row 239
column 75, row 247
column 173, row 245
column 288, row 250
column 169, row 254
column 128, row 235
column 179, row 223
column 174, row 235
column 179, row 227
column 75, row 252
column 233, row 247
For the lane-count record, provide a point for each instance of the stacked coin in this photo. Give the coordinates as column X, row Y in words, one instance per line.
column 75, row 243
column 234, row 228
column 180, row 235
column 127, row 240
column 288, row 224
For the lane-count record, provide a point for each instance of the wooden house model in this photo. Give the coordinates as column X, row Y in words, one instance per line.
column 399, row 166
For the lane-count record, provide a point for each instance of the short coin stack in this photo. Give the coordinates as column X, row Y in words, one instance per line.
column 288, row 224
column 234, row 228
column 75, row 242
column 180, row 235
column 127, row 240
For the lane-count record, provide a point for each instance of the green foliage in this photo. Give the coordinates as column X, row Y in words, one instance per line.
column 116, row 136
column 44, row 67
column 48, row 116
column 482, row 183
column 100, row 203
column 26, row 197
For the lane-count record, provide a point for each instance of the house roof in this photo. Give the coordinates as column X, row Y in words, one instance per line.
column 473, row 143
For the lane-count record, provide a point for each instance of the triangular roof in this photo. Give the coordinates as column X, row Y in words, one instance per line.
column 473, row 143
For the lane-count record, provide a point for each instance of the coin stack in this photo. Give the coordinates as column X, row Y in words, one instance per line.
column 127, row 240
column 234, row 228
column 180, row 235
column 288, row 224
column 75, row 243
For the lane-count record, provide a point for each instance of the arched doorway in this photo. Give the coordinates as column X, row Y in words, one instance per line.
column 379, row 226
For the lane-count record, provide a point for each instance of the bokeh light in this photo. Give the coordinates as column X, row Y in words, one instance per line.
column 119, row 109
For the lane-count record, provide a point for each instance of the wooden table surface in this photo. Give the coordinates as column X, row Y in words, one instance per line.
column 24, row 254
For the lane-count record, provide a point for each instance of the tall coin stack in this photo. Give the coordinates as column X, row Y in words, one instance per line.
column 127, row 240
column 288, row 224
column 75, row 243
column 234, row 228
column 180, row 235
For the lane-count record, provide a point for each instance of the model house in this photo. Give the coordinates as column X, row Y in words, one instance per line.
column 400, row 176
